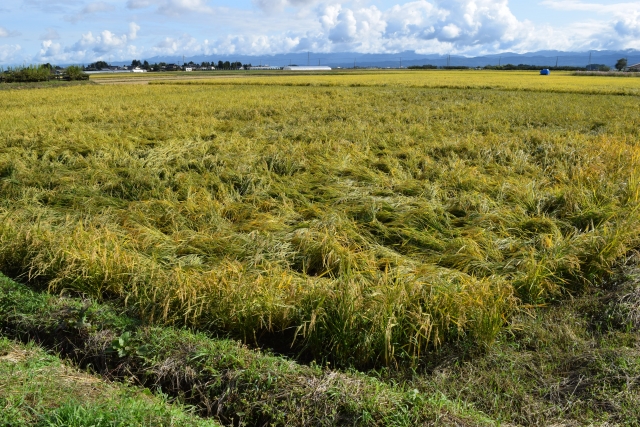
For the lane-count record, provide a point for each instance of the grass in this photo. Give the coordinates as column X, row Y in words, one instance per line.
column 362, row 226
column 38, row 389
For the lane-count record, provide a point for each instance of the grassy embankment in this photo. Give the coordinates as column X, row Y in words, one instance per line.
column 38, row 389
column 365, row 226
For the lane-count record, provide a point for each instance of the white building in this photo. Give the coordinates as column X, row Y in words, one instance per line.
column 138, row 70
column 264, row 67
column 307, row 68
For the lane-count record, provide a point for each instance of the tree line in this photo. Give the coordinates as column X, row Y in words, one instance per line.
column 159, row 66
column 621, row 65
column 41, row 73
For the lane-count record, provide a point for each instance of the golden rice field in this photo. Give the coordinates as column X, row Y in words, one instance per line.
column 468, row 79
column 358, row 218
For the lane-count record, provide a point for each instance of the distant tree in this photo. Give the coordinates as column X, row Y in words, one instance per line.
column 146, row 65
column 74, row 72
column 220, row 65
column 226, row 65
column 621, row 64
column 136, row 63
column 98, row 65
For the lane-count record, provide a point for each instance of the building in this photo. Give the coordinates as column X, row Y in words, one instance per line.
column 307, row 68
column 138, row 70
column 634, row 67
column 263, row 67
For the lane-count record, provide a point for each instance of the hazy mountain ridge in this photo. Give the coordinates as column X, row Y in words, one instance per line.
column 408, row 58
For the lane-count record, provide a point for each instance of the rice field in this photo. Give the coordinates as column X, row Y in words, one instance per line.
column 361, row 219
column 559, row 82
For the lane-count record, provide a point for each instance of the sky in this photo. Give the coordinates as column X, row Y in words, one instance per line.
column 83, row 31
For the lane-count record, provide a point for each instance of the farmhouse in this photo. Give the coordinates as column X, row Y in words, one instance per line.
column 634, row 67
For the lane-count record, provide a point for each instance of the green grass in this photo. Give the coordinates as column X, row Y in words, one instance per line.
column 38, row 389
column 362, row 226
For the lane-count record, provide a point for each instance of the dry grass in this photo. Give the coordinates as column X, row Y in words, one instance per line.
column 360, row 225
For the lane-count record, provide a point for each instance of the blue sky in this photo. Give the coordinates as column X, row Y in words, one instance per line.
column 82, row 31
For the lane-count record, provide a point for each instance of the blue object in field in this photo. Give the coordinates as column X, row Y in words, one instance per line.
column 545, row 72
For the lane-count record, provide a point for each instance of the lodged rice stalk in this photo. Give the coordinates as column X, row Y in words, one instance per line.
column 361, row 226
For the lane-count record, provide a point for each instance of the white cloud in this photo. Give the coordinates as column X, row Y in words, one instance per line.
column 90, row 9
column 184, row 45
column 455, row 25
column 628, row 25
column 133, row 30
column 467, row 27
column 105, row 42
column 172, row 7
column 8, row 53
column 49, row 50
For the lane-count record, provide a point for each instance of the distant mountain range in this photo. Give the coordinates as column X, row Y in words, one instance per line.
column 407, row 58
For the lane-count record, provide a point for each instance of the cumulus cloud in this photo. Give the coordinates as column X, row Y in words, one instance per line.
column 105, row 42
column 172, row 7
column 453, row 25
column 49, row 50
column 467, row 27
column 628, row 25
column 133, row 30
column 90, row 9
column 182, row 45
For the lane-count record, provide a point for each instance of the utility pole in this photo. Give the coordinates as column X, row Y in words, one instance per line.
column 308, row 57
column 401, row 62
column 589, row 66
column 556, row 62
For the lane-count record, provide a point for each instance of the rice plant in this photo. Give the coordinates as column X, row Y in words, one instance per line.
column 361, row 225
